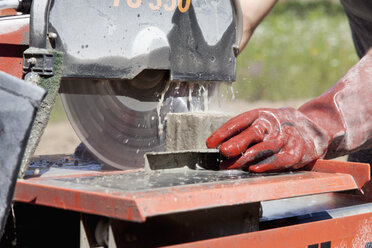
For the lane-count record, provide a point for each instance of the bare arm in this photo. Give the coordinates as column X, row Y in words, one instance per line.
column 254, row 11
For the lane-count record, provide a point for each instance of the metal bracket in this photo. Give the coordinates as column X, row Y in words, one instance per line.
column 39, row 23
column 40, row 61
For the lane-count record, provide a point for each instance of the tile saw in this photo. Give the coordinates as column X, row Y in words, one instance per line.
column 113, row 62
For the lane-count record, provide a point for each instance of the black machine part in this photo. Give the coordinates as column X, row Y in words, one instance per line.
column 19, row 101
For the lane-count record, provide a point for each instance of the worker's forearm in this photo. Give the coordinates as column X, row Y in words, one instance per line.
column 254, row 12
column 345, row 110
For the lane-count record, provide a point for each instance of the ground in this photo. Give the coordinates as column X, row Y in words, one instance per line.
column 58, row 138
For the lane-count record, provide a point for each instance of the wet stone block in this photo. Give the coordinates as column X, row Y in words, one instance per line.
column 19, row 101
column 189, row 131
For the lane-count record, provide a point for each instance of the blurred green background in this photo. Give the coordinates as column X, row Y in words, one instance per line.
column 300, row 50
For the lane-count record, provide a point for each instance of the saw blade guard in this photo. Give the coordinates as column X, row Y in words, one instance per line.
column 194, row 40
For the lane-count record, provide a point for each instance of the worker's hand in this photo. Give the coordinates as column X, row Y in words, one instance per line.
column 269, row 140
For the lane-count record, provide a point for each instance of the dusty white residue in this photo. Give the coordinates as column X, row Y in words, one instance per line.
column 364, row 234
column 111, row 28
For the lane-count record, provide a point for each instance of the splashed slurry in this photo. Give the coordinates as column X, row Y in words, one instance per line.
column 141, row 180
column 189, row 100
column 190, row 130
column 197, row 99
column 232, row 92
column 204, row 87
column 160, row 104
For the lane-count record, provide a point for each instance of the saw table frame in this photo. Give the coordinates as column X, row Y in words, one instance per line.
column 138, row 205
column 143, row 210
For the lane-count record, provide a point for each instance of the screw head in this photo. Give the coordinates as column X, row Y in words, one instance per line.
column 32, row 61
column 52, row 35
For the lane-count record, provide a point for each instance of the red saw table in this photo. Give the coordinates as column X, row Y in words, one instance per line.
column 328, row 206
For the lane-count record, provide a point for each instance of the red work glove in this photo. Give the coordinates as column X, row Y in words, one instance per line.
column 336, row 123
column 275, row 138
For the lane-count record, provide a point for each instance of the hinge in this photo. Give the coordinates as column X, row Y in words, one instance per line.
column 40, row 61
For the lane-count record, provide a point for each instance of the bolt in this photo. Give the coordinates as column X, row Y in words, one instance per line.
column 52, row 35
column 236, row 50
column 32, row 61
column 36, row 172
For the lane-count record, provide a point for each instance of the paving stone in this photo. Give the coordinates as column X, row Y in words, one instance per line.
column 189, row 131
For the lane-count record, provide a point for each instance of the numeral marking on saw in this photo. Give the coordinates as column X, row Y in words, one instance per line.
column 187, row 6
column 171, row 7
column 157, row 6
column 183, row 5
column 116, row 3
column 134, row 5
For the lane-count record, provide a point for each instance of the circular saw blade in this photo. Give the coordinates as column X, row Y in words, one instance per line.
column 117, row 122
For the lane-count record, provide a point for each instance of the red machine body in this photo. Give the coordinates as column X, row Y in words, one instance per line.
column 328, row 206
column 14, row 38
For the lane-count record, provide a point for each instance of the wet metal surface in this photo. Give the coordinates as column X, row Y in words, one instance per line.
column 296, row 206
column 41, row 166
column 138, row 194
column 141, row 180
